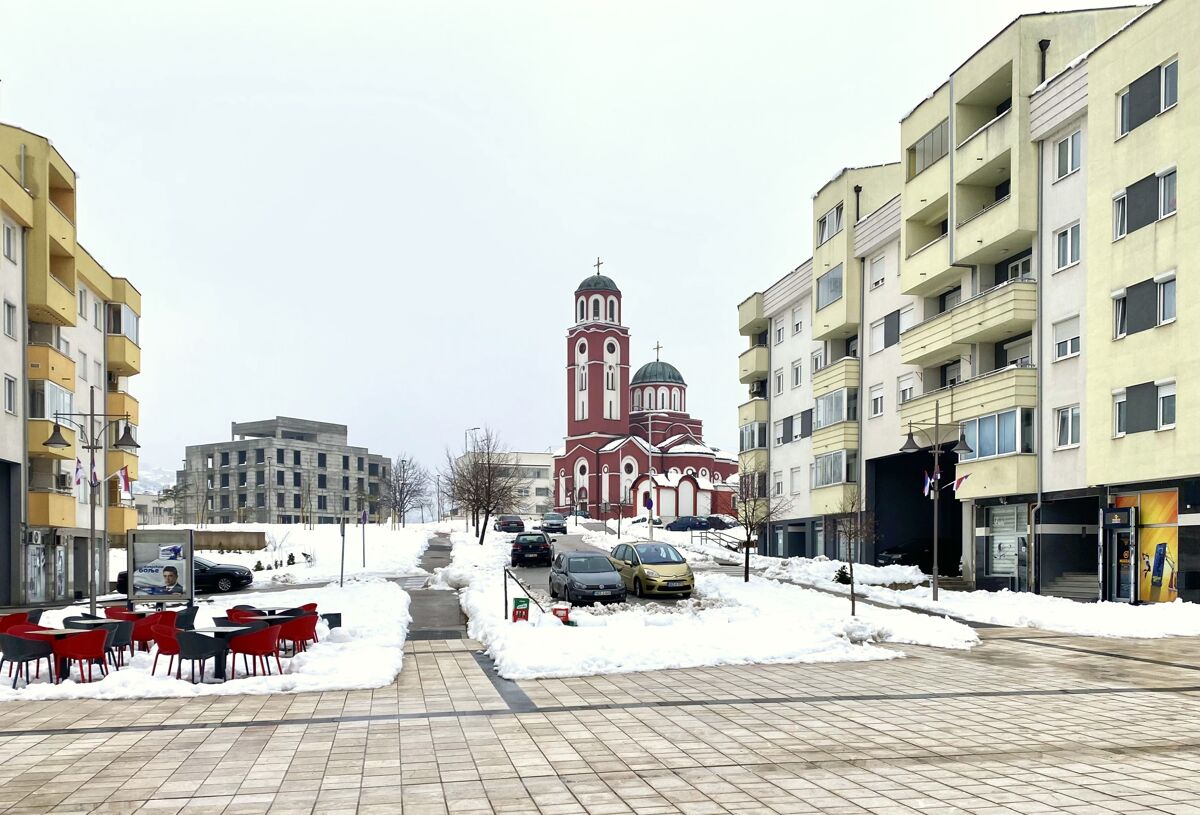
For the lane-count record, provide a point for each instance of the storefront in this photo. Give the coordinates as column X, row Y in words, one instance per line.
column 1141, row 542
column 1002, row 547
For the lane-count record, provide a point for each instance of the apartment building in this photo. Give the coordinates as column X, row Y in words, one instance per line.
column 71, row 346
column 281, row 470
column 535, row 493
column 1020, row 294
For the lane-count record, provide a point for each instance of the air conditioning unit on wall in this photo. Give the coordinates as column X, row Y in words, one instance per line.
column 34, row 537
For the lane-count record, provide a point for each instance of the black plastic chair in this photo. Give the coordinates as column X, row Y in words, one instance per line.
column 21, row 652
column 122, row 638
column 219, row 621
column 198, row 648
column 76, row 623
column 87, row 616
column 34, row 616
column 186, row 619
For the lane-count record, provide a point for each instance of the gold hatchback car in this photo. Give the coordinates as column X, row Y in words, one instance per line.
column 653, row 569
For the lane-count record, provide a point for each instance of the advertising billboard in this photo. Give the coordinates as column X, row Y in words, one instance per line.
column 160, row 565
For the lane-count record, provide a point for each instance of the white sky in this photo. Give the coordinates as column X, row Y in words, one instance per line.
column 375, row 213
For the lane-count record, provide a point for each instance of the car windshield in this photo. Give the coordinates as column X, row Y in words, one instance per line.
column 199, row 561
column 588, row 563
column 509, row 518
column 552, row 516
column 529, row 539
column 657, row 553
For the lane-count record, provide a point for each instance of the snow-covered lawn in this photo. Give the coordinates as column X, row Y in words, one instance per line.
column 367, row 651
column 389, row 552
column 727, row 622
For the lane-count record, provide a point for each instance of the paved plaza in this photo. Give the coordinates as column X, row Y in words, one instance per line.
column 1025, row 723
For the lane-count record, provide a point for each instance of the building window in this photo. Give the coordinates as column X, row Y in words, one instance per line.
column 838, row 406
column 778, row 427
column 904, row 388
column 321, row 460
column 10, row 243
column 797, row 321
column 778, row 382
column 97, row 372
column 818, row 360
column 877, row 336
column 829, row 287
column 97, row 315
column 797, row 370
column 778, row 331
column 797, row 480
column 241, row 479
column 296, row 458
column 929, row 149
column 877, row 272
column 225, row 458
column 259, row 455
column 1067, row 241
column 10, row 320
column 778, row 479
column 279, row 478
column 840, row 467
column 1066, row 339
column 296, row 500
column 1067, row 152
column 1123, row 112
column 1119, row 220
column 1067, row 421
column 83, row 366
column 279, row 500
column 10, row 395
column 1119, row 317
column 1170, row 85
column 1119, row 413
column 829, row 225
column 1166, row 301
column 296, row 479
column 83, row 301
column 876, row 400
column 999, row 434
column 1166, row 406
column 752, row 436
column 1166, row 194
column 907, row 316
column 279, row 456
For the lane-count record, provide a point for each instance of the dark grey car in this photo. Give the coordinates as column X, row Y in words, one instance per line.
column 585, row 578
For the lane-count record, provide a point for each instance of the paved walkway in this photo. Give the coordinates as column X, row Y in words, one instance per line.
column 1027, row 722
column 436, row 614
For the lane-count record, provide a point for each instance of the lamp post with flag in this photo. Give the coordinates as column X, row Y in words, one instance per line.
column 92, row 439
column 931, row 431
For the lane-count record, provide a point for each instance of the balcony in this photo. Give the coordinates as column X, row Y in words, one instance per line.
column 995, row 315
column 116, row 459
column 753, row 461
column 15, row 200
column 121, row 519
column 836, row 375
column 837, row 436
column 125, row 292
column 832, row 500
column 48, row 363
column 48, row 300
column 756, row 410
column 48, row 508
column 928, row 268
column 120, row 403
column 40, row 430
column 992, row 392
column 124, row 357
column 751, row 319
column 1004, row 475
column 753, row 365
column 987, row 144
column 60, row 230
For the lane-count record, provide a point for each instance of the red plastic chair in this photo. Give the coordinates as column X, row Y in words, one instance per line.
column 22, row 629
column 168, row 645
column 113, row 613
column 143, row 630
column 299, row 631
column 313, row 608
column 241, row 615
column 259, row 645
column 9, row 620
column 86, row 647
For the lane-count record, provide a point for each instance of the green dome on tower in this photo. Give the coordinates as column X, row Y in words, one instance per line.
column 657, row 371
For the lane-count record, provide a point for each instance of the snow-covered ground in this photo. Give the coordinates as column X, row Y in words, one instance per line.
column 727, row 622
column 389, row 552
column 367, row 651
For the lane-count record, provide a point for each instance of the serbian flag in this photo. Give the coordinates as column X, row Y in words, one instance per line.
column 959, row 481
column 123, row 481
column 928, row 484
column 95, row 482
column 78, row 472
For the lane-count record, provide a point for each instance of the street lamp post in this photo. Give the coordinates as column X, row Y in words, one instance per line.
column 911, row 446
column 91, row 438
column 466, row 449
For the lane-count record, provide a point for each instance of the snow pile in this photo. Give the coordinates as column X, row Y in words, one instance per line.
column 1026, row 610
column 820, row 571
column 728, row 622
column 389, row 552
column 366, row 652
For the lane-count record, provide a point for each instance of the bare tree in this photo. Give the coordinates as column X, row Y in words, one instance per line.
column 755, row 508
column 853, row 528
column 405, row 488
column 485, row 481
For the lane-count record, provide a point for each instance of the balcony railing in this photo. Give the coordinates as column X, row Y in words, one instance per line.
column 984, row 127
column 973, row 380
column 921, row 249
column 983, row 211
column 970, row 301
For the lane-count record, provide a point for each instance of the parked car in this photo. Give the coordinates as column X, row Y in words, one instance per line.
column 653, row 569
column 913, row 553
column 685, row 522
column 641, row 519
column 721, row 521
column 579, row 513
column 210, row 577
column 554, row 522
column 585, row 577
column 532, row 549
column 509, row 523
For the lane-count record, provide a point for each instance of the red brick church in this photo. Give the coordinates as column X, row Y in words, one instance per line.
column 629, row 437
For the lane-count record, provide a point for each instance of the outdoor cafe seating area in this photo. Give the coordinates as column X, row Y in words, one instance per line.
column 87, row 647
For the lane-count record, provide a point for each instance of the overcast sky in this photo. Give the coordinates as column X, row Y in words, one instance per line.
column 375, row 213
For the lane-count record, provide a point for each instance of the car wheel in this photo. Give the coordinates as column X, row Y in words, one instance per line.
column 224, row 584
column 550, row 588
column 567, row 596
column 687, row 596
column 637, row 587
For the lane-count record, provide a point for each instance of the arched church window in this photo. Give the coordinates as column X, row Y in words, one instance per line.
column 637, row 400
column 582, row 313
column 675, row 399
column 610, row 379
column 612, row 310
column 596, row 309
column 649, row 400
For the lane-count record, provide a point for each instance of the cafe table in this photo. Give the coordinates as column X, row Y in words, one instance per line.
column 221, row 632
column 64, row 665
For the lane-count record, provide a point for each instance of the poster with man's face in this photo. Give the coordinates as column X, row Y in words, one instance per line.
column 160, row 565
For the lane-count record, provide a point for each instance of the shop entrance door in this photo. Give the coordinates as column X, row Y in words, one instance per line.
column 1123, row 562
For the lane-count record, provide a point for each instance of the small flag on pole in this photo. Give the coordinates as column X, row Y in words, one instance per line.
column 363, row 518
column 928, row 484
column 959, row 481
column 123, row 480
column 95, row 476
column 78, row 472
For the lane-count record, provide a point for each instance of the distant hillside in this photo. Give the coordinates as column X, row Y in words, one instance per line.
column 153, row 480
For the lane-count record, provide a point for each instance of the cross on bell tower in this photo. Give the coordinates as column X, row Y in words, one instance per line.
column 657, row 348
column 598, row 264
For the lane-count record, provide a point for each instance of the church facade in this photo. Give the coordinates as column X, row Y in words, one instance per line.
column 630, row 437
